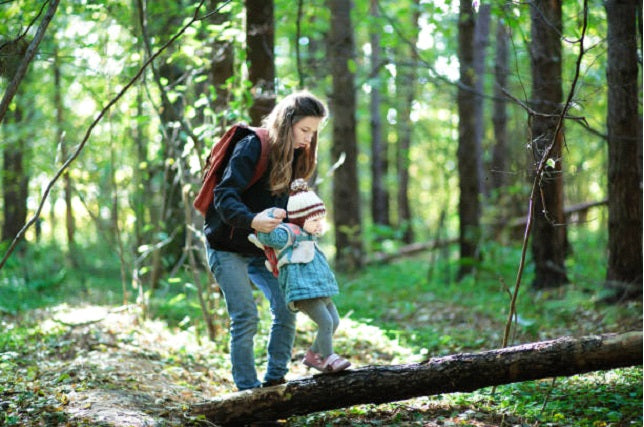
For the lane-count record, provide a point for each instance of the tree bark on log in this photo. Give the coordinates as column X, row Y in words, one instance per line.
column 464, row 372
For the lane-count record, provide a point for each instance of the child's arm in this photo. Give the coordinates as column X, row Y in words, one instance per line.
column 277, row 238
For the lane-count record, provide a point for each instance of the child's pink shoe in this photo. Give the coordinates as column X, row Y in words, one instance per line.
column 335, row 363
column 313, row 360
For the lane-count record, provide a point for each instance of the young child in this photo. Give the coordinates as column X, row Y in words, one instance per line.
column 305, row 275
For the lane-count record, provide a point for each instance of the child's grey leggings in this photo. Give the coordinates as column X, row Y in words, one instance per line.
column 323, row 312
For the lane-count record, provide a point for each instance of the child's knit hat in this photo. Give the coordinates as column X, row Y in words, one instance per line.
column 303, row 203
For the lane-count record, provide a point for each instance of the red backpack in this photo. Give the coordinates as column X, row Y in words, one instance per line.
column 218, row 159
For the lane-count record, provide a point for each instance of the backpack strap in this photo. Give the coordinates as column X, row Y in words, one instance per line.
column 262, row 164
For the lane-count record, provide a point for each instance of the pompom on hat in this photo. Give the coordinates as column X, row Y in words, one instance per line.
column 303, row 203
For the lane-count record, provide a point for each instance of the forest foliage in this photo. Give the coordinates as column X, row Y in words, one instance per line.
column 116, row 112
column 72, row 355
column 98, row 48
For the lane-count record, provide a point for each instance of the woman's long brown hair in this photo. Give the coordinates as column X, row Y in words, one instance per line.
column 279, row 123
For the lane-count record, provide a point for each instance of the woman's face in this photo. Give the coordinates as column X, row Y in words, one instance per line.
column 304, row 130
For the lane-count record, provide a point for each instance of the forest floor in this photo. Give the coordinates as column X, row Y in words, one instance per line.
column 100, row 366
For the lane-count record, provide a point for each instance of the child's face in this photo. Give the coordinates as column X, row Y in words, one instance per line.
column 314, row 226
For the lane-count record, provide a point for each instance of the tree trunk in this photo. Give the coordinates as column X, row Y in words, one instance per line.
column 549, row 231
column 140, row 173
column 317, row 65
column 469, row 156
column 481, row 43
column 260, row 39
column 172, row 219
column 406, row 76
column 499, row 115
column 222, row 63
column 457, row 373
column 346, row 195
column 624, row 275
column 70, row 223
column 379, row 163
column 298, row 37
column 14, row 181
column 14, row 70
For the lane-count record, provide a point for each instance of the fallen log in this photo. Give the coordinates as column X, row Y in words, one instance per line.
column 408, row 250
column 511, row 223
column 580, row 208
column 456, row 373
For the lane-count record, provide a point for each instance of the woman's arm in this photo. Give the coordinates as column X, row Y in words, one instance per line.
column 235, row 179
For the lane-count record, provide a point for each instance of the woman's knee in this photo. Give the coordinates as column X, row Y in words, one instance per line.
column 244, row 323
column 284, row 318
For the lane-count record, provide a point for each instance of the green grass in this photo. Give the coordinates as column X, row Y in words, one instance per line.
column 40, row 276
column 404, row 311
column 442, row 316
column 600, row 398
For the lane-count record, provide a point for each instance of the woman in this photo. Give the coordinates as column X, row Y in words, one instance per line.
column 238, row 211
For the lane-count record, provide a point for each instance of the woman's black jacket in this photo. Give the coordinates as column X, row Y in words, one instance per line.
column 228, row 219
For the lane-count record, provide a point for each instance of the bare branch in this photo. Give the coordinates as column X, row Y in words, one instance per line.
column 88, row 133
column 538, row 175
column 26, row 60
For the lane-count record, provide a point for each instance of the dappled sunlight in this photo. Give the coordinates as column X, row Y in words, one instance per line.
column 104, row 365
column 101, row 364
column 366, row 344
column 107, row 365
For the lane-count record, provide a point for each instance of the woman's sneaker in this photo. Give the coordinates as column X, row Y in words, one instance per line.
column 271, row 383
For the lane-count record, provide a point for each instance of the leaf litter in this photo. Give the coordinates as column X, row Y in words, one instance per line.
column 100, row 366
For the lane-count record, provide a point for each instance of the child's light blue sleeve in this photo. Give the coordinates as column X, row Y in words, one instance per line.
column 277, row 238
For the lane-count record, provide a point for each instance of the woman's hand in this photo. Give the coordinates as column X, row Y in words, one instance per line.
column 268, row 219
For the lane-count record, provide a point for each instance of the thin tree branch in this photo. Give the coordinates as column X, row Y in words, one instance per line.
column 298, row 35
column 472, row 90
column 535, row 113
column 26, row 60
column 208, row 15
column 88, row 133
column 538, row 176
column 31, row 24
column 143, row 21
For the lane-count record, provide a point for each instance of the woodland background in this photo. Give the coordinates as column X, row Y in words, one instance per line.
column 503, row 138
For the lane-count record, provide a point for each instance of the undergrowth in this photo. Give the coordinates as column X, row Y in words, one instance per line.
column 401, row 312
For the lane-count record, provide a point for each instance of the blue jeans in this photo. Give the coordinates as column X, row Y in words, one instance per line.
column 234, row 273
